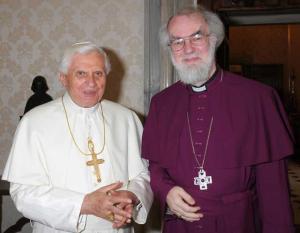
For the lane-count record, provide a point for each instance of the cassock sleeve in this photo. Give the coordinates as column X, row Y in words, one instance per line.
column 139, row 179
column 273, row 197
column 140, row 186
column 56, row 208
column 31, row 189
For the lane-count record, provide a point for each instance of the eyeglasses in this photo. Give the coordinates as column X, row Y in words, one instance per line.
column 196, row 39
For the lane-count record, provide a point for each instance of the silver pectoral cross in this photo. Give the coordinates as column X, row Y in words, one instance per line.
column 202, row 180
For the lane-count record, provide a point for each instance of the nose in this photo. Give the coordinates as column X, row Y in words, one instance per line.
column 90, row 80
column 188, row 47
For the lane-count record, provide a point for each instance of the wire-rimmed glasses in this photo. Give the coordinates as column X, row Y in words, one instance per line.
column 196, row 39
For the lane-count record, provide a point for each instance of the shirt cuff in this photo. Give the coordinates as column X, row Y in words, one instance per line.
column 139, row 213
column 81, row 223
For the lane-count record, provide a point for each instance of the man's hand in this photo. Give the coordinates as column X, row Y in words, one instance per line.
column 182, row 204
column 104, row 205
column 121, row 220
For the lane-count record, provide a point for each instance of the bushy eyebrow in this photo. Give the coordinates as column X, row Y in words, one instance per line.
column 177, row 37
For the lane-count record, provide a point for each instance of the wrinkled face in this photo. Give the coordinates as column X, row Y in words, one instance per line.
column 195, row 49
column 86, row 79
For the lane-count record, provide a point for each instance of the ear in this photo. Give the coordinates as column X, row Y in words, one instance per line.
column 213, row 39
column 63, row 79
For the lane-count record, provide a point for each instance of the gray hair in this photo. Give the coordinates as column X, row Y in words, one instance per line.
column 215, row 25
column 82, row 48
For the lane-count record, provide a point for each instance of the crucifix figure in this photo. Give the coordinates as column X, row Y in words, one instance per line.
column 202, row 180
column 95, row 161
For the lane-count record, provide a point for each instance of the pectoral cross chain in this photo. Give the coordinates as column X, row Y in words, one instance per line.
column 95, row 161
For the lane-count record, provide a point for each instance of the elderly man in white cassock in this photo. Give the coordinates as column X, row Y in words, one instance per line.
column 75, row 163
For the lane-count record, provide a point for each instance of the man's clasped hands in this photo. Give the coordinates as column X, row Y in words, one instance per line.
column 111, row 203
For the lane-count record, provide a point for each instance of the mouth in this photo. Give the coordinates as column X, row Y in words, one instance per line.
column 89, row 93
column 191, row 60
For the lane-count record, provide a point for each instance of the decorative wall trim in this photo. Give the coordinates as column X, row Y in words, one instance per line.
column 159, row 72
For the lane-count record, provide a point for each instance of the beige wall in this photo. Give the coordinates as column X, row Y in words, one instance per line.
column 33, row 34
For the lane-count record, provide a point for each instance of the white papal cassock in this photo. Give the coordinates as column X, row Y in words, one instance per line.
column 49, row 177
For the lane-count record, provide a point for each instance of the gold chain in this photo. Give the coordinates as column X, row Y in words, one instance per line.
column 73, row 138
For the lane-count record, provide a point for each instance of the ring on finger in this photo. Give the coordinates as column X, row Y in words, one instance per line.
column 108, row 193
column 110, row 216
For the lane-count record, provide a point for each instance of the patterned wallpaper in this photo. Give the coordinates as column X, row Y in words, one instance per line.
column 34, row 33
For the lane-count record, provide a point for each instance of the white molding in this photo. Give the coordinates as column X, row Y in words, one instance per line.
column 159, row 72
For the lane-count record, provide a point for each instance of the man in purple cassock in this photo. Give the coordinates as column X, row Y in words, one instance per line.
column 216, row 142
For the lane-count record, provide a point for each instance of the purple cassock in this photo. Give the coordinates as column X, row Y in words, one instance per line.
column 238, row 131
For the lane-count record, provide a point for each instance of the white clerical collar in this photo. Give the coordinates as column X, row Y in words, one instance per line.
column 199, row 89
column 75, row 107
column 208, row 83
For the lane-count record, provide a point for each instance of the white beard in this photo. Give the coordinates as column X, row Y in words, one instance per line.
column 196, row 74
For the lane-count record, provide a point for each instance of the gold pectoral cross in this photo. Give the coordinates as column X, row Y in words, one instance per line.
column 95, row 161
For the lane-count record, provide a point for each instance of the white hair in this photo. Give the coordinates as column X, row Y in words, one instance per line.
column 82, row 48
column 215, row 25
